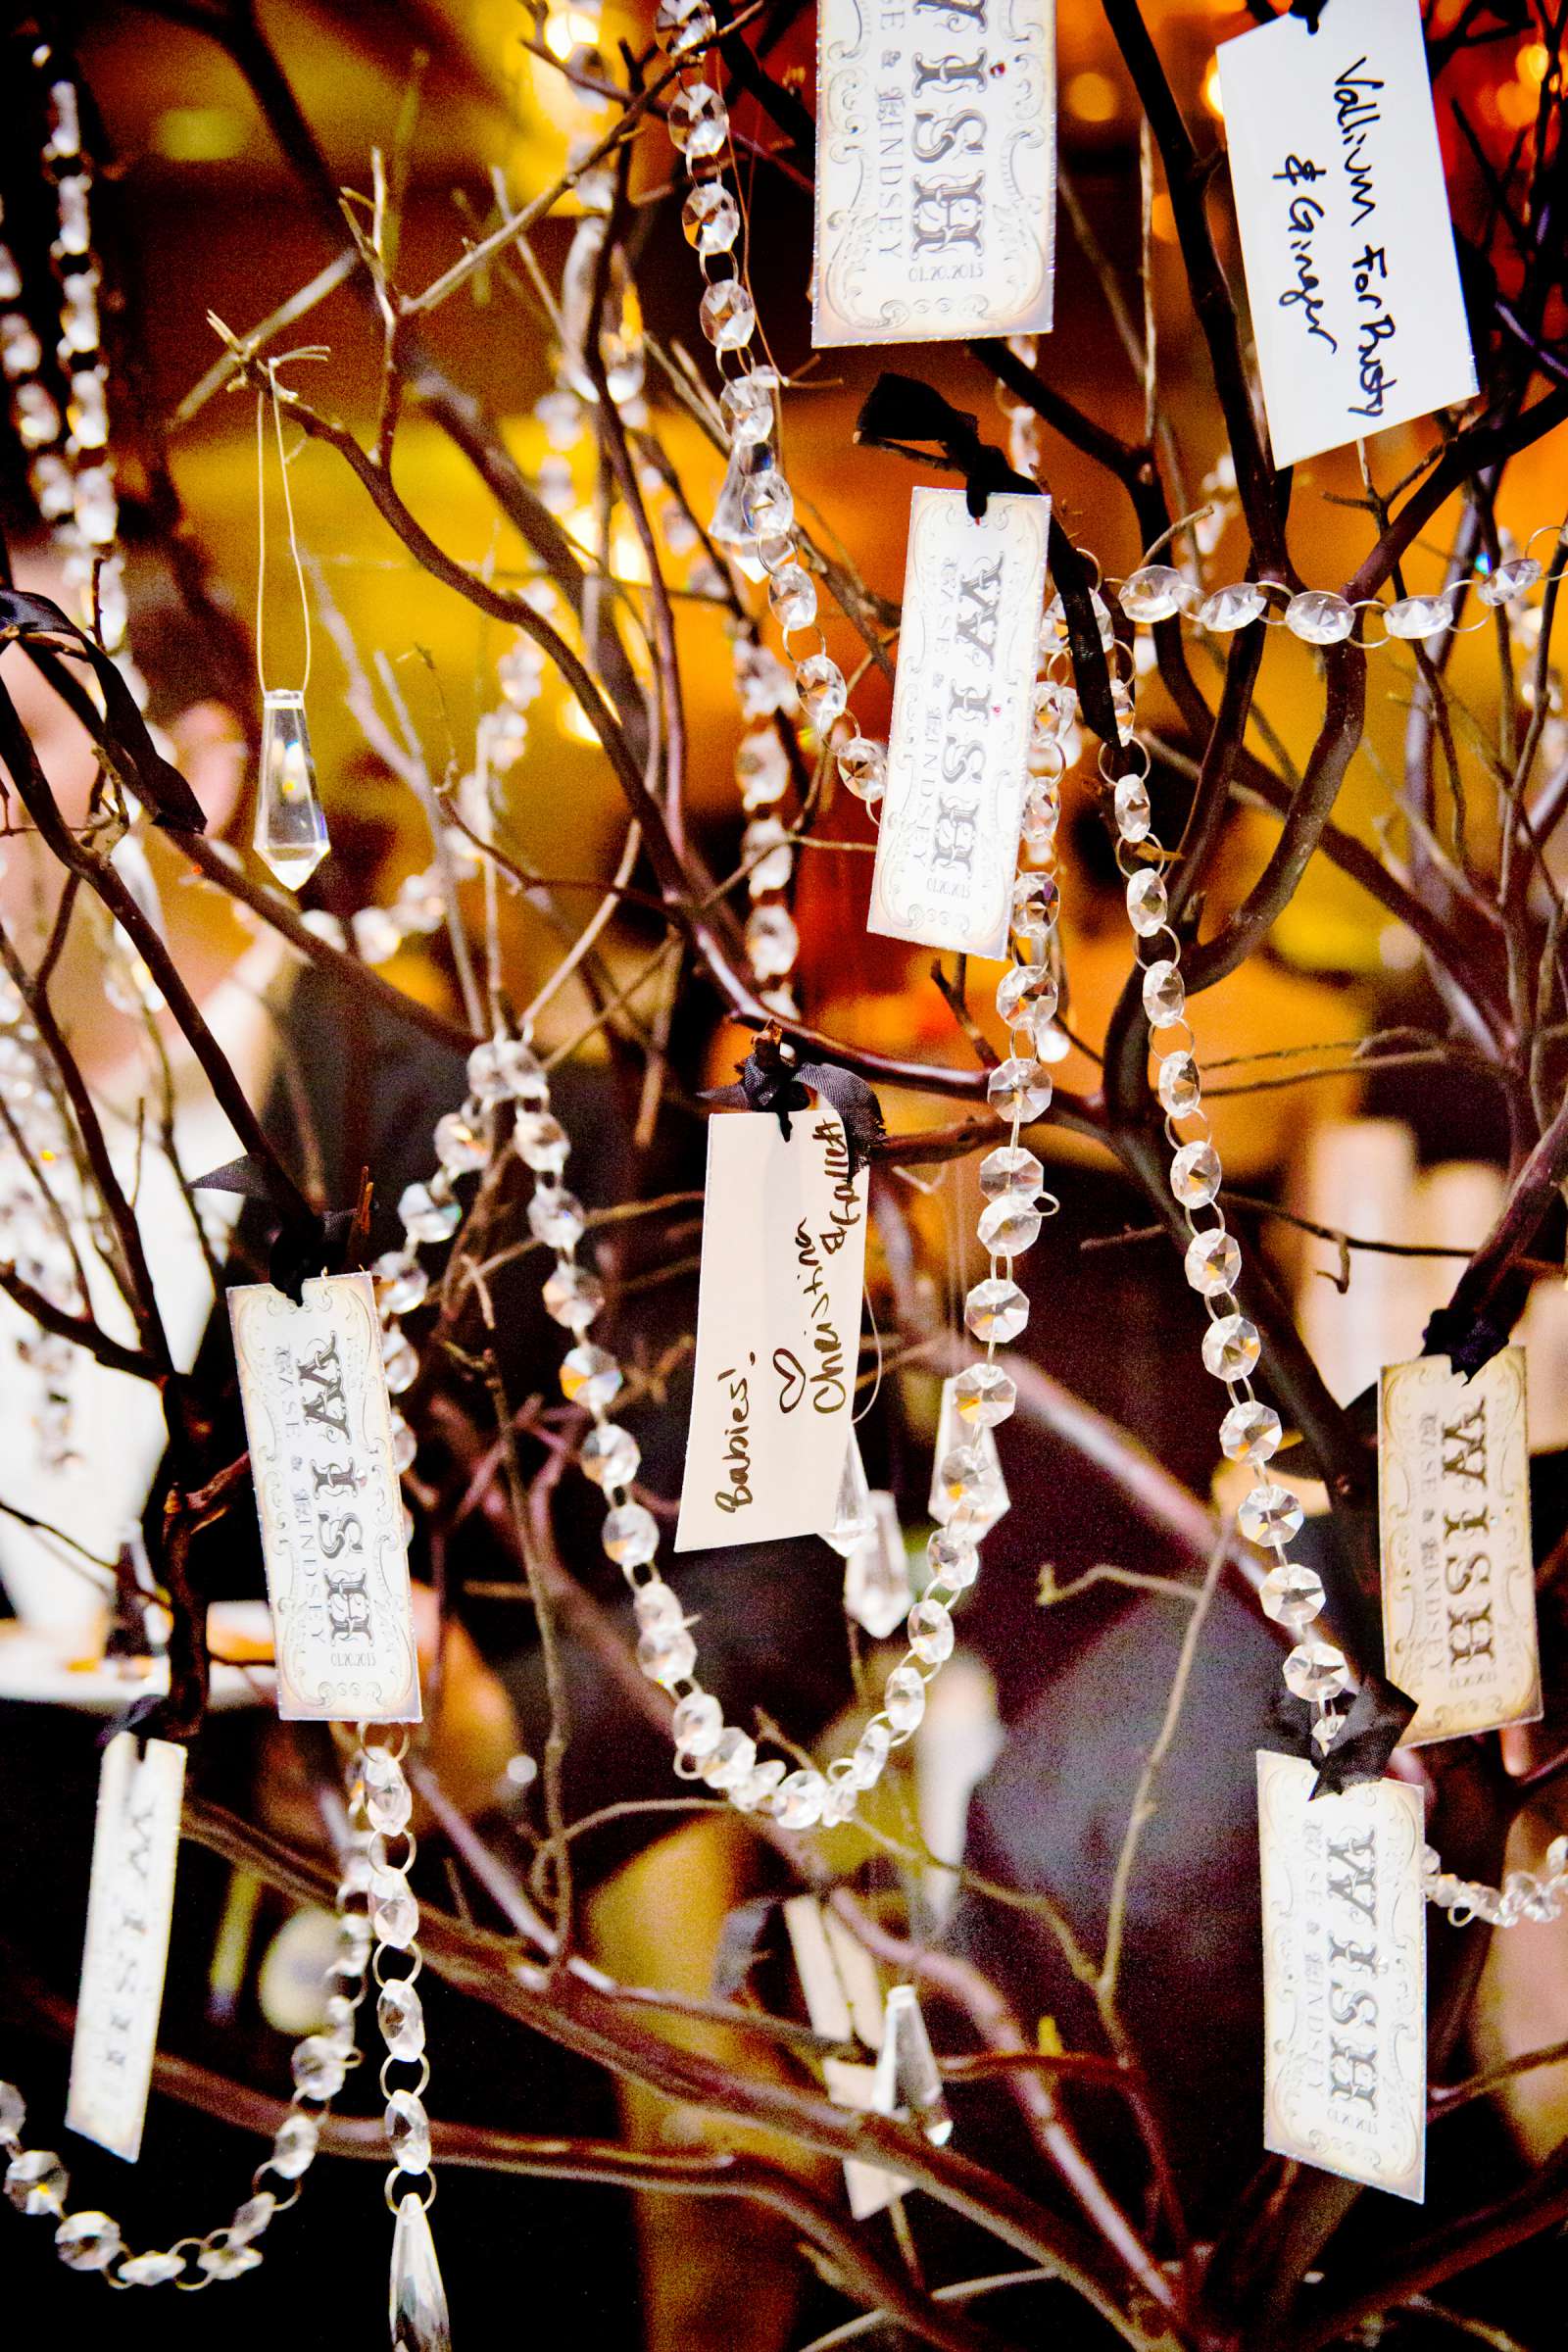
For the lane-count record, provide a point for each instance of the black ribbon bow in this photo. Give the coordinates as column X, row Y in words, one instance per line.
column 1375, row 1722
column 772, row 1077
column 301, row 1246
column 1310, row 12
column 900, row 408
column 1470, row 1339
column 120, row 730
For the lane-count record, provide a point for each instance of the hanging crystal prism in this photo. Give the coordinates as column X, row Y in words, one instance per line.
column 749, row 461
column 876, row 1574
column 418, row 2300
column 906, row 2065
column 984, row 1499
column 290, row 836
column 854, row 1519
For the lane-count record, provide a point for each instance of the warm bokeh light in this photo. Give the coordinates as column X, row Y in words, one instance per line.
column 199, row 134
column 1213, row 97
column 570, row 29
column 1093, row 97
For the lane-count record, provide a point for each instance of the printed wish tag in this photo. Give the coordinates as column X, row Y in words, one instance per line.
column 962, row 707
column 936, row 169
column 131, row 1902
column 778, row 1330
column 1345, row 2036
column 1458, row 1575
column 318, row 1423
column 1346, row 236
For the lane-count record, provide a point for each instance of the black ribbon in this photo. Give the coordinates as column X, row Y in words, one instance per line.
column 301, row 1246
column 773, row 1078
column 1470, row 1339
column 120, row 731
column 1375, row 1722
column 1310, row 12
column 900, row 408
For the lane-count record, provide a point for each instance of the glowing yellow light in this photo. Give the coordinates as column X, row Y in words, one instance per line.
column 1534, row 61
column 1516, row 105
column 570, row 29
column 1091, row 97
column 199, row 134
column 575, row 725
column 1162, row 220
column 627, row 557
column 1212, row 98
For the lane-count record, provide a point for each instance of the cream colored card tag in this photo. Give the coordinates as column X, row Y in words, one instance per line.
column 1357, row 312
column 962, row 707
column 1458, row 1573
column 778, row 1330
column 1345, row 2036
column 319, row 1422
column 131, row 1902
column 936, row 169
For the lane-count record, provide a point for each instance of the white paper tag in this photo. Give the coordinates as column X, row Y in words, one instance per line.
column 1458, row 1573
column 1345, row 2036
column 962, row 707
column 778, row 1330
column 1346, row 236
column 319, row 1422
column 936, row 169
column 129, row 1905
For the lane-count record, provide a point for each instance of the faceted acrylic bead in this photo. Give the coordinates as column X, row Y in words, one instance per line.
column 1031, row 925
column 869, row 1755
column 822, row 690
column 557, row 1217
column 1180, row 1089
column 1055, row 629
column 1009, row 1224
column 966, row 1483
column 1292, row 1596
column 36, row 2182
column 657, row 1605
column 398, row 1363
column 683, row 25
column 1164, row 993
column 227, row 2262
column 984, row 1395
column 1010, row 1168
column 294, row 2146
column 697, row 1724
column 12, row 2111
column 699, row 123
column 1231, row 1347
column 573, row 1296
column 389, row 1809
column 590, row 1377
column 747, row 404
column 953, row 1557
column 768, row 505
column 1131, row 801
column 996, row 1310
column 838, row 1801
column 1231, row 608
column 727, row 313
column 401, row 1283
column 904, row 1700
column 1154, row 592
column 376, row 937
column 630, row 1534
column 863, row 766
column 253, row 2217
column 1418, row 616
column 761, row 1786
column 459, row 1146
column 1026, row 988
column 290, row 831
column 610, row 1455
column 930, row 1632
column 798, row 1803
column 762, row 770
column 426, row 1216
column 772, row 942
column 1146, row 901
column 768, row 855
column 1270, row 1515
column 1317, row 1670
column 394, row 1914
column 1511, row 579
column 408, row 2132
column 543, row 1144
column 318, row 2067
column 97, row 513
column 711, row 217
column 1319, row 617
column 731, row 1761
column 1214, row 1262
column 792, row 595
column 1017, row 1089
column 21, row 352
column 151, row 2270
column 87, row 2241
column 503, row 1069
column 1249, row 1432
column 1195, row 1174
column 668, row 1656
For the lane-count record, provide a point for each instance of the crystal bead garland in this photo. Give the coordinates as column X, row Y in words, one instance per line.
column 756, row 515
column 381, row 1804
column 37, row 2183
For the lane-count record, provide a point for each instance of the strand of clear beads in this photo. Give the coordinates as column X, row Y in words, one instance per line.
column 1523, row 1896
column 36, row 2182
column 755, row 520
column 1317, row 616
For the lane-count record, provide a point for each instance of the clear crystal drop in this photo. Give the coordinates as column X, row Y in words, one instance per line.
column 1231, row 1347
column 401, row 1283
column 908, row 2057
column 747, row 404
column 294, row 2146
column 36, row 2182
column 1164, row 993
column 1292, row 1596
column 1511, row 579
column 768, row 505
column 1233, row 608
column 87, row 2241
column 543, row 1144
column 1249, row 1432
column 1146, row 901
column 698, row 122
column 863, row 766
column 459, row 1146
column 711, row 217
column 731, row 1761
column 290, row 835
column 1319, row 617
column 1418, row 616
column 727, row 313
column 697, row 1724
column 573, row 1296
column 930, row 1632
column 768, row 855
column 417, row 2303
column 1213, row 1262
column 630, row 1534
column 557, row 1217
column 798, row 1801
column 903, row 1699
column 876, row 1574
column 610, row 1455
column 984, row 1395
column 854, row 1518
column 1195, row 1174
column 1154, row 592
column 729, row 527
column 996, row 1310
column 1009, row 1224
column 1270, row 1515
column 1018, row 1090
column 1317, row 1670
column 1010, row 1168
column 1133, row 814
column 772, row 942
column 1180, row 1089
column 823, row 693
column 762, row 770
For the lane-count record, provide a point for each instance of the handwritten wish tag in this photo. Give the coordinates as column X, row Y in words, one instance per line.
column 1453, row 1516
column 1345, row 237
column 962, row 707
column 778, row 1330
column 936, row 169
column 1345, row 2067
column 318, row 1423
column 130, row 1903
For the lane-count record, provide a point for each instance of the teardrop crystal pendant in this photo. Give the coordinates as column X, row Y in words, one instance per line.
column 981, row 1505
column 729, row 527
column 290, row 836
column 854, row 1519
column 418, row 2300
column 907, row 2061
column 876, row 1574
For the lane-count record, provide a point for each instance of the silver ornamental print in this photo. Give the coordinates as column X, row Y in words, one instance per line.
column 318, row 1424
